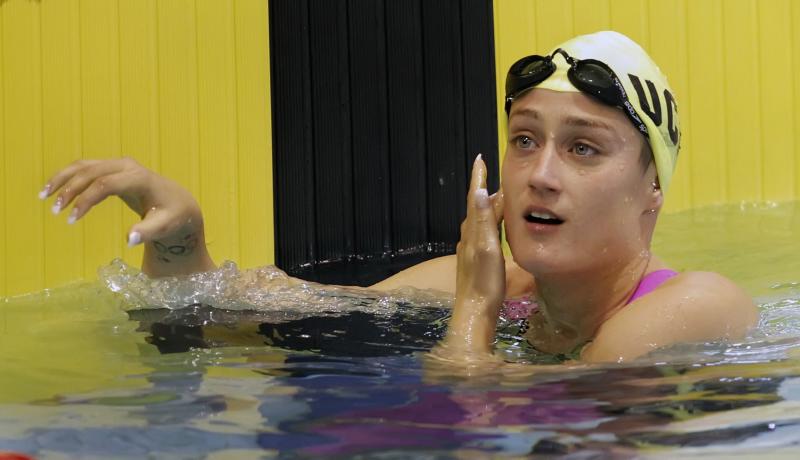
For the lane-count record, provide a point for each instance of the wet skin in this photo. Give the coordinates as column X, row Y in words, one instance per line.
column 569, row 158
column 577, row 160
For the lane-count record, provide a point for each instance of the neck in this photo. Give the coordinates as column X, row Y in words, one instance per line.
column 574, row 305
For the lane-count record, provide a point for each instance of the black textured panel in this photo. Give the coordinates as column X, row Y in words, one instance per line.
column 379, row 108
column 406, row 96
column 444, row 117
column 330, row 94
column 293, row 163
column 480, row 104
column 370, row 127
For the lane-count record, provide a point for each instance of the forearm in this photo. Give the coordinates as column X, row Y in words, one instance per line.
column 472, row 326
column 184, row 253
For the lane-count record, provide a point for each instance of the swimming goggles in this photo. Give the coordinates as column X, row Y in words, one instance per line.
column 588, row 75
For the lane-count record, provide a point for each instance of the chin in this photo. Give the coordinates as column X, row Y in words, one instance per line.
column 537, row 258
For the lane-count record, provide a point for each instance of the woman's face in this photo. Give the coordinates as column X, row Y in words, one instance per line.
column 576, row 196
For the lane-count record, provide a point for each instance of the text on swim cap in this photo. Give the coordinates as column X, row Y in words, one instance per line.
column 655, row 112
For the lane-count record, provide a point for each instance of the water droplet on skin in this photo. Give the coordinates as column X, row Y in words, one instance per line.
column 728, row 331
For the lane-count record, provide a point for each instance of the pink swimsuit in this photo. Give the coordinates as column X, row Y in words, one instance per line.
column 521, row 308
column 515, row 312
column 650, row 282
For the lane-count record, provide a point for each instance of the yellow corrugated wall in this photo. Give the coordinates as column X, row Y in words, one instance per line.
column 180, row 85
column 183, row 86
column 733, row 64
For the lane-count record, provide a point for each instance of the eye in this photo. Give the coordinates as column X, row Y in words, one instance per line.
column 523, row 142
column 583, row 150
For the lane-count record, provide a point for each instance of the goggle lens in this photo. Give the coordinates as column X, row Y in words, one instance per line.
column 535, row 67
column 595, row 79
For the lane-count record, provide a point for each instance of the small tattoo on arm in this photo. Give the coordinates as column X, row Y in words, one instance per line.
column 183, row 248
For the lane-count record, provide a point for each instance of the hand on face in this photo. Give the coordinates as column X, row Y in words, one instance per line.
column 481, row 277
column 168, row 211
column 480, row 283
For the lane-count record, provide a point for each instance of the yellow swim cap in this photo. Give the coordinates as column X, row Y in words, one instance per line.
column 646, row 88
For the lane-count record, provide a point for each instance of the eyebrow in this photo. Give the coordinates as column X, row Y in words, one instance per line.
column 588, row 123
column 569, row 121
column 527, row 113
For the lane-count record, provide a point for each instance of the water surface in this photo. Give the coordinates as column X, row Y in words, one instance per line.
column 220, row 369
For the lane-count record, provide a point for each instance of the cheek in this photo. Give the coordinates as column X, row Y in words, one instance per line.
column 607, row 207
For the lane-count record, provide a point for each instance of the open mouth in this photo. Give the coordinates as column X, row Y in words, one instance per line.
column 543, row 218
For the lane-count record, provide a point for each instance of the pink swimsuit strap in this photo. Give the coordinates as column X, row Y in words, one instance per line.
column 522, row 307
column 650, row 282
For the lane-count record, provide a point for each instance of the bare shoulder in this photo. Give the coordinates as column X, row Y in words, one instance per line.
column 690, row 307
column 438, row 273
column 710, row 286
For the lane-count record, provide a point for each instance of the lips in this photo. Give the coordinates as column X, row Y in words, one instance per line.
column 542, row 216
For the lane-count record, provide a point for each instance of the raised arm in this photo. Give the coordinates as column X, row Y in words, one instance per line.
column 481, row 278
column 172, row 224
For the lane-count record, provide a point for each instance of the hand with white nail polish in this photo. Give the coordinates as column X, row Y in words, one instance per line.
column 172, row 223
column 481, row 278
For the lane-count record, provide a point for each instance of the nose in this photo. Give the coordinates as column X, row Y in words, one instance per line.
column 544, row 173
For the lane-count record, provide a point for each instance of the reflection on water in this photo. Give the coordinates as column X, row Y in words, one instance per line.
column 338, row 373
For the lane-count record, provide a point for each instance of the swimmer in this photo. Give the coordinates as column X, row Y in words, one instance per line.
column 593, row 139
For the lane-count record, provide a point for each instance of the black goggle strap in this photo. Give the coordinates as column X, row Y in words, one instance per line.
column 631, row 112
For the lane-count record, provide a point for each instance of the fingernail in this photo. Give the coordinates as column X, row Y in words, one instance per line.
column 134, row 238
column 45, row 192
column 57, row 206
column 479, row 157
column 482, row 198
column 73, row 216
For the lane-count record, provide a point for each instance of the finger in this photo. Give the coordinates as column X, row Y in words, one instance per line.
column 476, row 197
column 92, row 175
column 486, row 224
column 157, row 223
column 497, row 205
column 61, row 177
column 98, row 190
column 484, row 218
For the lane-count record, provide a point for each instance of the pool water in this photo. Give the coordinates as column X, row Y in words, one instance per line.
column 218, row 368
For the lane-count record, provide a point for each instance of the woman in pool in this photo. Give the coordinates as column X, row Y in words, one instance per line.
column 592, row 143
